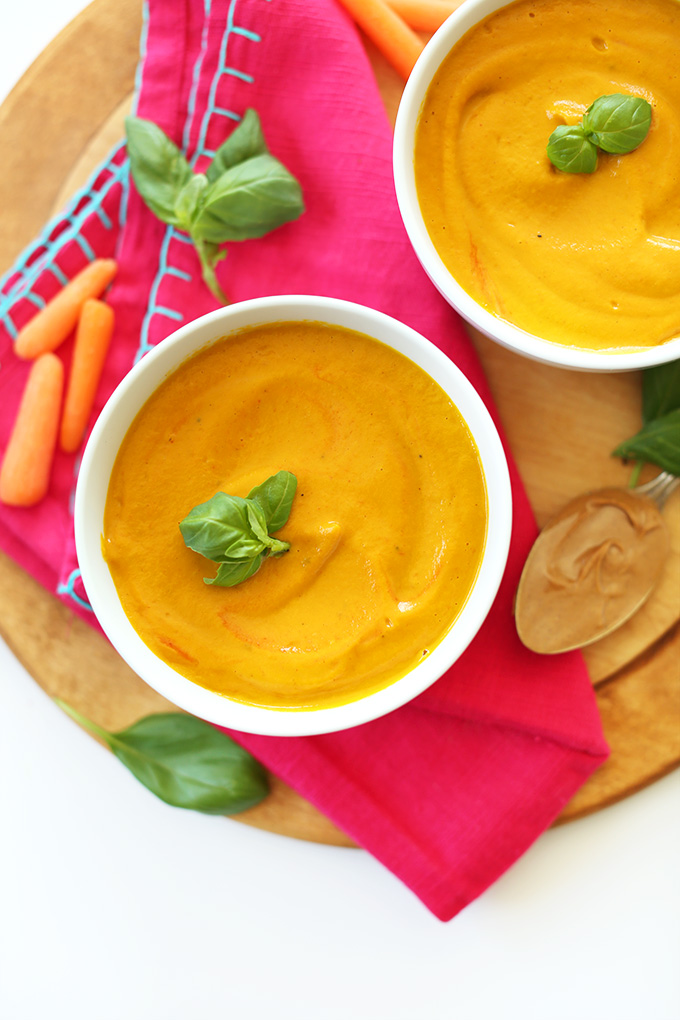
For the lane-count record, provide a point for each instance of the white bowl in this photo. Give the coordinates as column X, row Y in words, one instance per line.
column 528, row 344
column 93, row 483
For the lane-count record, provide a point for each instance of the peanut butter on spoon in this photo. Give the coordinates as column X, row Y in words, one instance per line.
column 592, row 567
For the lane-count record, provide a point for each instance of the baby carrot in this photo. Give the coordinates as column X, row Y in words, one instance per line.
column 424, row 15
column 93, row 336
column 58, row 318
column 25, row 471
column 391, row 35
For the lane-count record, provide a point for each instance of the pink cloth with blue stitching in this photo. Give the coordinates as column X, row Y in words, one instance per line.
column 448, row 791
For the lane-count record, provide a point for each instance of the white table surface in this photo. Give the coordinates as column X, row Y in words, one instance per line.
column 113, row 905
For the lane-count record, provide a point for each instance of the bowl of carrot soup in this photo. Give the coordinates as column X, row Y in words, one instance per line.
column 575, row 262
column 292, row 515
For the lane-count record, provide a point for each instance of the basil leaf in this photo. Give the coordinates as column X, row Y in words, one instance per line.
column 245, row 141
column 186, row 762
column 276, row 496
column 657, row 442
column 248, row 201
column 618, row 123
column 660, row 390
column 232, row 572
column 219, row 529
column 257, row 521
column 158, row 168
column 188, row 200
column 571, row 150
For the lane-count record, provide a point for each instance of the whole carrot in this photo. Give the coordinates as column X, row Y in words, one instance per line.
column 391, row 35
column 58, row 318
column 424, row 15
column 25, row 471
column 93, row 336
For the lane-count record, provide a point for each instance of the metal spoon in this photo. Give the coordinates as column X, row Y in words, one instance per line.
column 592, row 566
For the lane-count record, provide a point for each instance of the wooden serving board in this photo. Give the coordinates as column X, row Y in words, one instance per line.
column 561, row 426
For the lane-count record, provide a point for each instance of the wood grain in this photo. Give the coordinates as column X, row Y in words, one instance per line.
column 561, row 426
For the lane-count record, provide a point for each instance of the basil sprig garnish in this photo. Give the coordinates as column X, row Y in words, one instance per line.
column 616, row 123
column 658, row 441
column 237, row 533
column 244, row 193
column 185, row 762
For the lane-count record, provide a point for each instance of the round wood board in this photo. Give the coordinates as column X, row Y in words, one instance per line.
column 561, row 426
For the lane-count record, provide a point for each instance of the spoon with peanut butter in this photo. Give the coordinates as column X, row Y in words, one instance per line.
column 592, row 566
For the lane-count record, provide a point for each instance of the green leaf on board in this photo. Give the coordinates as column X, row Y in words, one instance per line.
column 185, row 762
column 657, row 442
column 660, row 390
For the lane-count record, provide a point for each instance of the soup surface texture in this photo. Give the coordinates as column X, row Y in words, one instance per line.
column 587, row 260
column 387, row 528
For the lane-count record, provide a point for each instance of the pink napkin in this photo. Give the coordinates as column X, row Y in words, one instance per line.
column 448, row 791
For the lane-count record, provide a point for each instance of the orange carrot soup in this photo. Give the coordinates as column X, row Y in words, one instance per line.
column 386, row 532
column 590, row 260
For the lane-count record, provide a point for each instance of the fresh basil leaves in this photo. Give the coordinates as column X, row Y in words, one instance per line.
column 244, row 193
column 185, row 762
column 658, row 441
column 617, row 123
column 236, row 533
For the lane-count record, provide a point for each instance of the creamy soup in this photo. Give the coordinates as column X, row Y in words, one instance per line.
column 588, row 260
column 386, row 532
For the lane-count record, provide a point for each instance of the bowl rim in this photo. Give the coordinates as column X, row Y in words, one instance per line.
column 102, row 448
column 503, row 332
